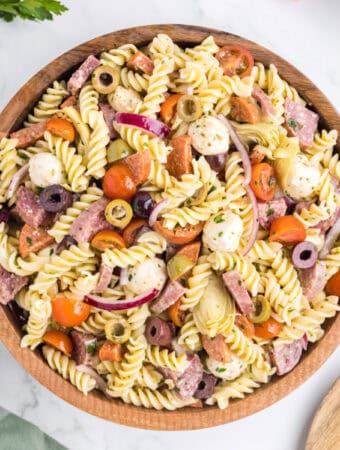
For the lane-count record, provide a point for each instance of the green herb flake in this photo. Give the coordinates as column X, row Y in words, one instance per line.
column 91, row 347
column 292, row 123
column 130, row 277
column 219, row 218
column 29, row 241
column 270, row 211
column 212, row 189
column 220, row 369
column 220, row 234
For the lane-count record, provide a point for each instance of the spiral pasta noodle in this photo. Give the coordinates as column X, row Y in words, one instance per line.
column 166, row 359
column 37, row 324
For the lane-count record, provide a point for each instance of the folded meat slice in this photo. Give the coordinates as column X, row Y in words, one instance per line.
column 80, row 76
column 171, row 293
column 267, row 107
column 235, row 286
column 84, row 347
column 187, row 382
column 217, row 348
column 286, row 357
column 10, row 285
column 105, row 275
column 313, row 280
column 28, row 136
column 91, row 221
column 109, row 115
column 301, row 122
column 29, row 209
column 271, row 210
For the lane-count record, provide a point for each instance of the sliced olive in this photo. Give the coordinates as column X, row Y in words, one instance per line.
column 118, row 213
column 262, row 312
column 105, row 79
column 55, row 198
column 118, row 149
column 189, row 108
column 178, row 265
column 117, row 330
column 199, row 196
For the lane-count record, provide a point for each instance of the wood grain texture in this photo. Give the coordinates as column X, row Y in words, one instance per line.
column 324, row 433
column 95, row 403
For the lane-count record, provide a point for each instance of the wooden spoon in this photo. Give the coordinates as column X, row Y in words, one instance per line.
column 324, row 433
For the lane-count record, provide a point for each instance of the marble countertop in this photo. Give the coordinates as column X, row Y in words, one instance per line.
column 307, row 34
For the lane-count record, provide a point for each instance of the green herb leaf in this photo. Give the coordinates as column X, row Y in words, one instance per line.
column 292, row 123
column 91, row 347
column 36, row 10
column 219, row 218
column 220, row 369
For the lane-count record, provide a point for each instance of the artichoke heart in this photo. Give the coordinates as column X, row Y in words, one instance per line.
column 215, row 312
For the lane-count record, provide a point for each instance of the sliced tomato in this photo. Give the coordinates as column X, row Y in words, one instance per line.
column 33, row 239
column 62, row 128
column 168, row 107
column 131, row 231
column 179, row 161
column 287, row 230
column 245, row 325
column 268, row 329
column 263, row 181
column 69, row 312
column 235, row 60
column 244, row 110
column 59, row 340
column 179, row 235
column 140, row 165
column 333, row 285
column 107, row 239
column 110, row 351
column 119, row 182
column 176, row 314
column 139, row 61
column 256, row 156
column 192, row 252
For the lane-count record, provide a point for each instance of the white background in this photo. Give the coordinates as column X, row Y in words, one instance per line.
column 306, row 33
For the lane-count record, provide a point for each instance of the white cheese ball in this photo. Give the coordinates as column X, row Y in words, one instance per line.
column 209, row 136
column 124, row 100
column 147, row 275
column 304, row 179
column 45, row 169
column 223, row 232
column 226, row 371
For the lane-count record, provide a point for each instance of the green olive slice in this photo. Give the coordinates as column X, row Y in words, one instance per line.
column 189, row 108
column 117, row 330
column 178, row 265
column 118, row 149
column 105, row 79
column 262, row 312
column 118, row 213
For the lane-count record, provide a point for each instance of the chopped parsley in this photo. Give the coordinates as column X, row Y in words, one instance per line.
column 29, row 241
column 212, row 189
column 270, row 211
column 239, row 282
column 292, row 123
column 219, row 218
column 220, row 234
column 130, row 277
column 220, row 369
column 91, row 347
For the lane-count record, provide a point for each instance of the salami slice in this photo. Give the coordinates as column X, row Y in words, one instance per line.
column 301, row 122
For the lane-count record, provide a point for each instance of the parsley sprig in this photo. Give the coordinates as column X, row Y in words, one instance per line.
column 36, row 10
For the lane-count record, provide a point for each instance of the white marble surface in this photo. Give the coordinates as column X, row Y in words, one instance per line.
column 306, row 33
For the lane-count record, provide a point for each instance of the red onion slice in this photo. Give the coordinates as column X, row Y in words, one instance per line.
column 123, row 277
column 255, row 224
column 331, row 237
column 111, row 304
column 156, row 210
column 101, row 383
column 16, row 180
column 304, row 341
column 152, row 126
column 240, row 147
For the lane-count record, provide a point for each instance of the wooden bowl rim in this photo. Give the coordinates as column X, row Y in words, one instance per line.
column 95, row 403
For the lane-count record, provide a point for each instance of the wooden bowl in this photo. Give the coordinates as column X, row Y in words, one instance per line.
column 95, row 403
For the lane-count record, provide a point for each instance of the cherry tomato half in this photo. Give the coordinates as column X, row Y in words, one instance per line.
column 333, row 285
column 118, row 182
column 263, row 181
column 287, row 230
column 59, row 340
column 235, row 60
column 268, row 329
column 107, row 239
column 131, row 231
column 69, row 312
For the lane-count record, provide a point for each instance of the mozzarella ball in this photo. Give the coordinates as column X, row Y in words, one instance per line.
column 124, row 100
column 304, row 179
column 45, row 169
column 223, row 232
column 226, row 371
column 209, row 136
column 146, row 275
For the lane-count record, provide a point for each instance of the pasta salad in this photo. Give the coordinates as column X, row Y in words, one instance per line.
column 169, row 225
